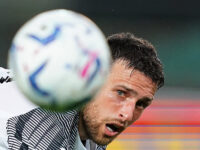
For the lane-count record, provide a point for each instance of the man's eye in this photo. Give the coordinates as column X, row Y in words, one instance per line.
column 121, row 93
column 142, row 104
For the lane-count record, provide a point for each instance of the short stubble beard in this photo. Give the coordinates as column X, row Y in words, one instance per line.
column 91, row 125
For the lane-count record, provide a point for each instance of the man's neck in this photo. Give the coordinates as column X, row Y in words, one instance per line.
column 81, row 129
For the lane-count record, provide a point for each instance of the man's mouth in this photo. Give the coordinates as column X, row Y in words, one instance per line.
column 112, row 129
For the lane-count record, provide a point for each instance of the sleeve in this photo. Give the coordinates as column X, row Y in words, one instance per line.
column 5, row 75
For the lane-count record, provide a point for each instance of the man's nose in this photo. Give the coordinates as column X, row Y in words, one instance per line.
column 127, row 112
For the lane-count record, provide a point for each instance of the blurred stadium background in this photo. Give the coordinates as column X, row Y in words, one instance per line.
column 173, row 26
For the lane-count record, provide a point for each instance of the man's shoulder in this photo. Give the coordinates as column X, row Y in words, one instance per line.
column 39, row 114
column 54, row 128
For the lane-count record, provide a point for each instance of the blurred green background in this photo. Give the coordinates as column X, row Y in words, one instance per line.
column 172, row 26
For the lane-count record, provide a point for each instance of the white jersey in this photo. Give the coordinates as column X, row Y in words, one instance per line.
column 4, row 137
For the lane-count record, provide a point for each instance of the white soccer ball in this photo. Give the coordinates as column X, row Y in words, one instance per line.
column 60, row 59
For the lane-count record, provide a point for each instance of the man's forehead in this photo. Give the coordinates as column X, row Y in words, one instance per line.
column 121, row 71
column 120, row 65
column 122, row 68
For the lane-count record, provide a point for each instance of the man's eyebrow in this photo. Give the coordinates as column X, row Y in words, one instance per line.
column 128, row 89
column 146, row 99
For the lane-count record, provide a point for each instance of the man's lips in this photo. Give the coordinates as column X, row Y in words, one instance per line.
column 112, row 129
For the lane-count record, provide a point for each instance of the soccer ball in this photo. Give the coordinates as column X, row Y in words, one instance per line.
column 59, row 59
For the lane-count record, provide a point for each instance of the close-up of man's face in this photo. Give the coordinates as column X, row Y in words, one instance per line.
column 119, row 103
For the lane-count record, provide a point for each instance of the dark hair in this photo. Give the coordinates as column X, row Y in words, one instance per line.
column 138, row 53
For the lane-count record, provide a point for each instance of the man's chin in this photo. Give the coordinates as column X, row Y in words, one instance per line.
column 103, row 141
